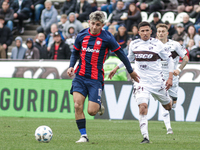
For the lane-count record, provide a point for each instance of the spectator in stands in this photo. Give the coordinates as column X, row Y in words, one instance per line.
column 36, row 7
column 59, row 49
column 50, row 40
column 48, row 17
column 134, row 16
column 8, row 1
column 7, row 12
column 21, row 12
column 112, row 29
column 134, row 34
column 40, row 44
column 188, row 6
column 150, row 5
column 62, row 22
column 5, row 37
column 180, row 33
column 32, row 52
column 196, row 14
column 191, row 34
column 72, row 20
column 122, row 37
column 82, row 11
column 71, row 36
column 195, row 53
column 108, row 8
column 117, row 14
column 154, row 23
column 171, row 29
column 68, row 7
column 186, row 22
column 18, row 52
column 191, row 45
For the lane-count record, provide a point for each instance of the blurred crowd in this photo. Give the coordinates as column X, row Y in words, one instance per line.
column 57, row 28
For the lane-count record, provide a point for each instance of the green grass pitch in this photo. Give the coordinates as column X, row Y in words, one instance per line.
column 18, row 134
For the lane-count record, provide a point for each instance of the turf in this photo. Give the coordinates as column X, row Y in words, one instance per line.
column 18, row 134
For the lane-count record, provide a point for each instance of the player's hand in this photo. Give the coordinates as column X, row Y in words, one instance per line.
column 135, row 76
column 112, row 73
column 168, row 83
column 176, row 72
column 70, row 72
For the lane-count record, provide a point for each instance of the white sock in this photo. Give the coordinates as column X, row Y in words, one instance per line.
column 166, row 118
column 144, row 126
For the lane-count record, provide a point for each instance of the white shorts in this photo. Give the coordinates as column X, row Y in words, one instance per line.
column 173, row 91
column 142, row 94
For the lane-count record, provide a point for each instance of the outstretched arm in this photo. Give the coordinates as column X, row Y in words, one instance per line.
column 73, row 59
column 183, row 64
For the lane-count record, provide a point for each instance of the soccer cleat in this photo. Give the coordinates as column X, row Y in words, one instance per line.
column 101, row 110
column 83, row 139
column 145, row 140
column 169, row 131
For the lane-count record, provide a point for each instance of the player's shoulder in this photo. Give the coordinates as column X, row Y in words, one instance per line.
column 136, row 41
column 156, row 41
column 106, row 34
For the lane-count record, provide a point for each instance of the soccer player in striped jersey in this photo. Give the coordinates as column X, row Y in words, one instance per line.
column 177, row 51
column 91, row 47
column 148, row 53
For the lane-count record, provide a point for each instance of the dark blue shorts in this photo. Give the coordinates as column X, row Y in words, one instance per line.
column 87, row 87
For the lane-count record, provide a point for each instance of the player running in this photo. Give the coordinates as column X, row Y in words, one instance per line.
column 91, row 47
column 148, row 53
column 177, row 51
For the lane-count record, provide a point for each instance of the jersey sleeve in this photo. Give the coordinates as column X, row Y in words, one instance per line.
column 181, row 51
column 113, row 45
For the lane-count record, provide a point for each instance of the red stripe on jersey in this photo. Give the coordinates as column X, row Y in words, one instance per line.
column 95, row 56
column 106, row 52
column 76, row 48
column 82, row 55
column 116, row 49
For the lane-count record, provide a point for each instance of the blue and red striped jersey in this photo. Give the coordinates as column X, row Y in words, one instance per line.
column 93, row 50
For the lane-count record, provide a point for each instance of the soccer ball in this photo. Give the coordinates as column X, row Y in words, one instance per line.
column 43, row 134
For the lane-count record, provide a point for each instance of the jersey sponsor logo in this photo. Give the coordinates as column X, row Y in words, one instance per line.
column 144, row 56
column 98, row 42
column 144, row 67
column 90, row 50
column 85, row 40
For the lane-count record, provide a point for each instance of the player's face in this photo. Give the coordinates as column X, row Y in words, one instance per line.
column 145, row 32
column 95, row 26
column 162, row 33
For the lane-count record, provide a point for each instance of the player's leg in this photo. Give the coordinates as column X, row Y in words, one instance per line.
column 94, row 95
column 143, row 109
column 142, row 98
column 79, row 92
column 166, row 119
column 79, row 100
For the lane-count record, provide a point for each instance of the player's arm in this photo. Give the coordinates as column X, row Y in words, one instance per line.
column 126, row 61
column 183, row 64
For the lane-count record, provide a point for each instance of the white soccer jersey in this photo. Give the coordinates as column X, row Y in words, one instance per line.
column 177, row 50
column 148, row 55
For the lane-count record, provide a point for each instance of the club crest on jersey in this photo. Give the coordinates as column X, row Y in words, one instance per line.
column 98, row 42
column 150, row 47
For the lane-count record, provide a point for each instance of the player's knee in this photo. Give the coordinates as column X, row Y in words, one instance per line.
column 77, row 107
column 143, row 108
column 92, row 112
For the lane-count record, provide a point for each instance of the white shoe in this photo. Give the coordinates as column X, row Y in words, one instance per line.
column 174, row 105
column 169, row 131
column 101, row 110
column 83, row 139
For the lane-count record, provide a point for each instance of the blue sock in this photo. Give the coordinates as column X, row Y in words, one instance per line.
column 81, row 126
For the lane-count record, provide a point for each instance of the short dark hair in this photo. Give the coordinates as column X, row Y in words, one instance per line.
column 162, row 25
column 143, row 23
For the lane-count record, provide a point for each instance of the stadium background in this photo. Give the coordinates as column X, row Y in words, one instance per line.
column 41, row 89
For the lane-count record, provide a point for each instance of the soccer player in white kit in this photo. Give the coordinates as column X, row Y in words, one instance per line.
column 177, row 51
column 148, row 53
